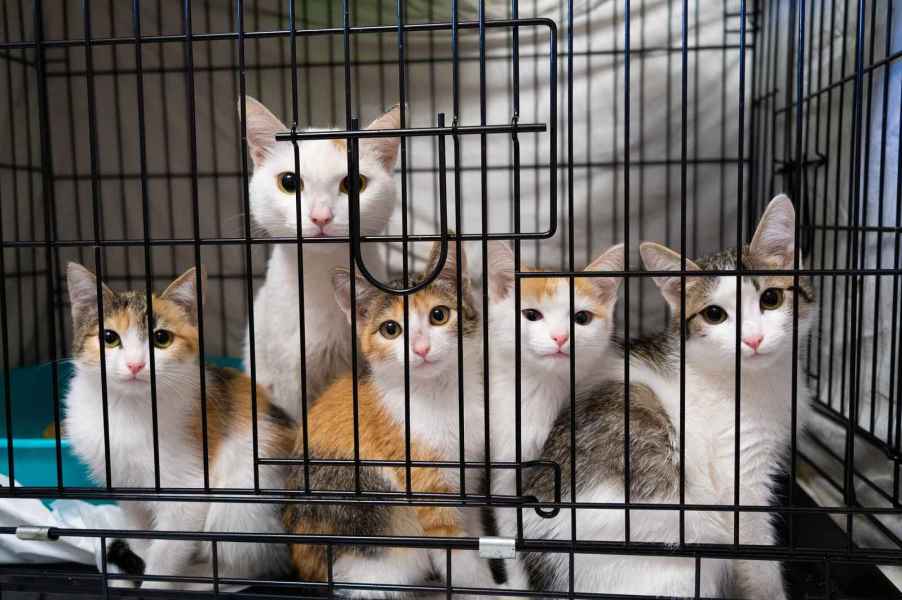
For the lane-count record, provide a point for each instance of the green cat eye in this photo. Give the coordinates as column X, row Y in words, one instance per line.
column 111, row 338
column 390, row 330
column 439, row 315
column 289, row 182
column 583, row 317
column 345, row 185
column 771, row 299
column 714, row 314
column 162, row 338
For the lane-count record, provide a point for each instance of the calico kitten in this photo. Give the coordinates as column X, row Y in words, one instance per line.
column 325, row 212
column 432, row 341
column 131, row 437
column 545, row 321
column 545, row 343
column 768, row 304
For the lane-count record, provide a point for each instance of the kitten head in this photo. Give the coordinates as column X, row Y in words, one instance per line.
column 767, row 301
column 432, row 320
column 322, row 178
column 125, row 333
column 545, row 312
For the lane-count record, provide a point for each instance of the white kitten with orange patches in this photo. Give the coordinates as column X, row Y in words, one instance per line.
column 325, row 213
column 545, row 343
column 127, row 347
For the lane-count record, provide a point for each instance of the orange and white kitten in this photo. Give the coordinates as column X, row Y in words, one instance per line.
column 545, row 353
column 322, row 178
column 174, row 342
column 432, row 342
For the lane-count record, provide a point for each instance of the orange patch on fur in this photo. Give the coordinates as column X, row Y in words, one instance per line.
column 540, row 289
column 331, row 429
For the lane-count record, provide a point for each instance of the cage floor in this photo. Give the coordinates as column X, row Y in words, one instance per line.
column 805, row 580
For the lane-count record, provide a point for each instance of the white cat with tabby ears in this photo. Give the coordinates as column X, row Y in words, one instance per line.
column 545, row 321
column 766, row 345
column 325, row 212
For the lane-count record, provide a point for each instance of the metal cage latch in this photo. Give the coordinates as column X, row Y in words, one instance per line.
column 497, row 547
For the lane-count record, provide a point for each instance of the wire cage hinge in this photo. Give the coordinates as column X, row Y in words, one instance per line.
column 497, row 547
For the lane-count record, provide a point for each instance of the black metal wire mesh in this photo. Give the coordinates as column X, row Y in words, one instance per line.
column 575, row 125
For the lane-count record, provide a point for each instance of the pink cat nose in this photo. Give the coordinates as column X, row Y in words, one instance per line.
column 321, row 215
column 135, row 367
column 560, row 338
column 421, row 348
column 753, row 341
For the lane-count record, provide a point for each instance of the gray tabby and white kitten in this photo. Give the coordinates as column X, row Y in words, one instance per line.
column 325, row 212
column 768, row 305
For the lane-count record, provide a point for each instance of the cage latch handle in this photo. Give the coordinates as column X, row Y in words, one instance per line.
column 354, row 202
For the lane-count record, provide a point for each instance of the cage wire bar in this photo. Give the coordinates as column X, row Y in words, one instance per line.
column 817, row 113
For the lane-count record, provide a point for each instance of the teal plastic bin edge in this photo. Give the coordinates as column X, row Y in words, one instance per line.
column 34, row 456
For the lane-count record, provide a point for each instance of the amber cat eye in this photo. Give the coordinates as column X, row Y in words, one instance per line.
column 345, row 185
column 289, row 182
column 162, row 338
column 390, row 330
column 771, row 299
column 439, row 315
column 111, row 338
column 714, row 314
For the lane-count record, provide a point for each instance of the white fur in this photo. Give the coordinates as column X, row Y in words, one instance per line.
column 180, row 464
column 322, row 166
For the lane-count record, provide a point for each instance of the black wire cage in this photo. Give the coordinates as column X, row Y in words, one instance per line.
column 562, row 126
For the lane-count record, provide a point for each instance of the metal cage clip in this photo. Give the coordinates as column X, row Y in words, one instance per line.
column 36, row 534
column 497, row 547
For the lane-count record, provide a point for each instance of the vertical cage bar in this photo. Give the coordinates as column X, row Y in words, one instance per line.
column 199, row 270
column 248, row 258
column 145, row 221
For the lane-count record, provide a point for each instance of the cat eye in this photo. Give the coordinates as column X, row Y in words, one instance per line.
column 714, row 314
column 345, row 185
column 439, row 315
column 531, row 314
column 583, row 317
column 162, row 338
column 289, row 182
column 771, row 299
column 390, row 330
column 111, row 338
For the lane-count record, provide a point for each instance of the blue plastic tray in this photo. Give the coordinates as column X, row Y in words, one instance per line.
column 34, row 456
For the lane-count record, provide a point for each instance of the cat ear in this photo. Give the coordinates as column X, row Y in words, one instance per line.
column 385, row 149
column 774, row 240
column 262, row 127
column 341, row 283
column 82, row 286
column 660, row 258
column 611, row 259
column 501, row 269
column 453, row 262
column 183, row 292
